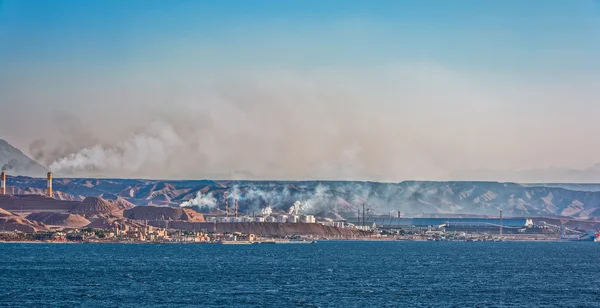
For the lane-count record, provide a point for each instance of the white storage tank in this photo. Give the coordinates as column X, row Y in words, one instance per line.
column 338, row 224
column 309, row 219
column 271, row 219
column 259, row 219
column 282, row 218
column 294, row 219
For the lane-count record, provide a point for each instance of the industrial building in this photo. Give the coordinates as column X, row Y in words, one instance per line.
column 471, row 225
column 270, row 219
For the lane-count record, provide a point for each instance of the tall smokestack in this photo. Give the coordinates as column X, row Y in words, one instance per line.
column 49, row 185
column 363, row 214
column 236, row 208
column 226, row 207
column 3, row 183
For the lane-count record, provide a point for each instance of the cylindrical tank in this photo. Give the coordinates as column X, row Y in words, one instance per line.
column 294, row 219
column 282, row 218
column 308, row 219
column 271, row 219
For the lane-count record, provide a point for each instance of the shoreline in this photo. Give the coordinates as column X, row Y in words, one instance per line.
column 279, row 242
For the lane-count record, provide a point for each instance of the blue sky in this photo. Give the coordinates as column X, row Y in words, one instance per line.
column 454, row 84
column 536, row 36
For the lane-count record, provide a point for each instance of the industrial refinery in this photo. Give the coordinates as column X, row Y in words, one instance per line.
column 31, row 213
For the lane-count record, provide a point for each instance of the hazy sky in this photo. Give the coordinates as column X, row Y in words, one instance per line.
column 371, row 90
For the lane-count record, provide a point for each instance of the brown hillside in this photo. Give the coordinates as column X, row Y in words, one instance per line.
column 163, row 213
column 122, row 204
column 94, row 205
column 35, row 203
column 106, row 222
column 59, row 219
column 260, row 228
column 5, row 213
column 11, row 222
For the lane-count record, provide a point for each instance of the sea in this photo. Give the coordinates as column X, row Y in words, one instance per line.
column 324, row 274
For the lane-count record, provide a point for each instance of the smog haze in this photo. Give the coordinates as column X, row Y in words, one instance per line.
column 386, row 91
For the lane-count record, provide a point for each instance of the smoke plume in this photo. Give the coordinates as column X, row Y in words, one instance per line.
column 418, row 121
column 10, row 165
column 201, row 201
column 266, row 211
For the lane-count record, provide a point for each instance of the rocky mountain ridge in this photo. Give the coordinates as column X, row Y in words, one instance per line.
column 16, row 162
column 334, row 197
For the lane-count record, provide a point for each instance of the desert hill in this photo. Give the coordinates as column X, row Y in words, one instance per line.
column 260, row 228
column 163, row 213
column 35, row 203
column 12, row 222
column 94, row 205
column 108, row 222
column 59, row 219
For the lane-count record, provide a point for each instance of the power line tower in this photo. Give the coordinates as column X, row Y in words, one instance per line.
column 501, row 223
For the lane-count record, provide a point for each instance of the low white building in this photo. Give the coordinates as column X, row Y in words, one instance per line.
column 337, row 224
column 223, row 219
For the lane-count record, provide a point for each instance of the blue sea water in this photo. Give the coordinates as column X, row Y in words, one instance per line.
column 326, row 274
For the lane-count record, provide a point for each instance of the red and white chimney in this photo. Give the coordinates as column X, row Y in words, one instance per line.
column 49, row 185
column 236, row 208
column 3, row 184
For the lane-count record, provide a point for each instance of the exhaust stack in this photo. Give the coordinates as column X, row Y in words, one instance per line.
column 49, row 185
column 3, row 184
column 236, row 208
column 226, row 208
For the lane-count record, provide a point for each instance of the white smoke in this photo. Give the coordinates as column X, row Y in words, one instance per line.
column 295, row 209
column 201, row 200
column 154, row 147
column 222, row 130
column 267, row 211
column 317, row 201
column 256, row 196
column 235, row 193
